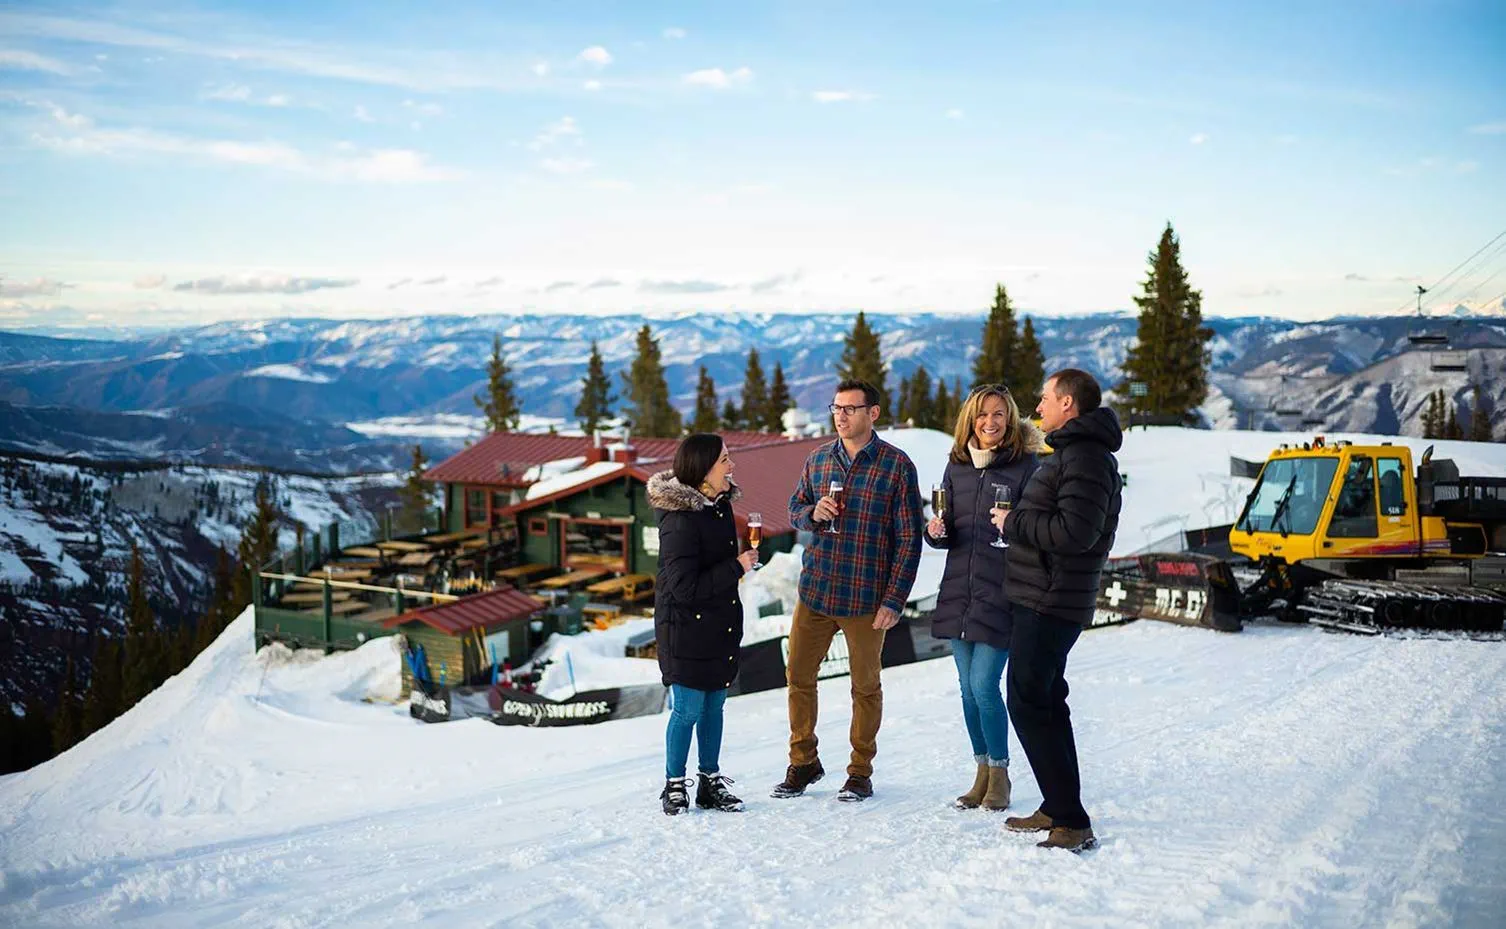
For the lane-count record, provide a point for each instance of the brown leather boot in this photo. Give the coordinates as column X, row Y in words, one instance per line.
column 1073, row 840
column 1035, row 822
column 997, row 796
column 974, row 798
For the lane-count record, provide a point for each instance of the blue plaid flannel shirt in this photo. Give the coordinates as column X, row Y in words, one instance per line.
column 872, row 562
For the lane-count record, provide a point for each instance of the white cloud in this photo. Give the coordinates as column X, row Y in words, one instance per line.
column 1198, row 138
column 71, row 120
column 39, row 287
column 595, row 55
column 592, row 85
column 14, row 59
column 1488, row 129
column 262, row 284
column 839, row 96
column 674, row 32
column 954, row 113
column 425, row 109
column 717, row 78
column 237, row 93
column 362, row 116
column 150, row 282
column 377, row 165
column 278, row 100
column 540, row 69
column 562, row 128
column 565, row 165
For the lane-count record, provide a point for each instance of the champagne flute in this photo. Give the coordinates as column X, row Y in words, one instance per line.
column 938, row 505
column 834, row 489
column 1002, row 501
column 755, row 533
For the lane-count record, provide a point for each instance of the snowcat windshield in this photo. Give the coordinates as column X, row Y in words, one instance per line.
column 1289, row 496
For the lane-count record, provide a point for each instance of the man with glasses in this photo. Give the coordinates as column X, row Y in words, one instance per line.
column 855, row 578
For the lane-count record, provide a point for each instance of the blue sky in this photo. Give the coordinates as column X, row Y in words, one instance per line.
column 168, row 164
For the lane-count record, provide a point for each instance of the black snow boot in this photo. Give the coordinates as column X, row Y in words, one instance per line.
column 676, row 795
column 712, row 794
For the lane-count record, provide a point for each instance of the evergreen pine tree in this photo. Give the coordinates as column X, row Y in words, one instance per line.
column 649, row 410
column 755, row 392
column 258, row 541
column 1453, row 430
column 902, row 403
column 67, row 719
column 732, row 417
column 1479, row 417
column 414, row 494
column 1170, row 355
column 996, row 361
column 945, row 417
column 922, row 408
column 222, row 606
column 862, row 358
column 1029, row 370
column 102, row 701
column 500, row 401
column 705, row 405
column 780, row 401
column 145, row 649
column 596, row 396
column 1429, row 417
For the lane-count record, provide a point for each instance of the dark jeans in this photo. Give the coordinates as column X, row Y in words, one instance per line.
column 1038, row 707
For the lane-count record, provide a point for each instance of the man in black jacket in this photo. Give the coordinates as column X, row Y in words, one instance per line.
column 1060, row 534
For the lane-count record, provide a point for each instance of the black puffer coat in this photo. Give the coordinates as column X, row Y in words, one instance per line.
column 1063, row 527
column 698, row 616
column 971, row 604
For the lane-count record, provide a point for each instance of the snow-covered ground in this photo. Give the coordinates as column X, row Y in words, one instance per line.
column 1279, row 777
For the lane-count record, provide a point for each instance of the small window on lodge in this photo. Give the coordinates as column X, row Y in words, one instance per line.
column 537, row 525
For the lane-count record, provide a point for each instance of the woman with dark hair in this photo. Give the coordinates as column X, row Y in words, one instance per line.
column 993, row 447
column 698, row 616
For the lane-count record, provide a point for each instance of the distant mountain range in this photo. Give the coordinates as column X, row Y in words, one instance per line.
column 282, row 391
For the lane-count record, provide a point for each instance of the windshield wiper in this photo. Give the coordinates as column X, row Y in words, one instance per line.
column 1281, row 504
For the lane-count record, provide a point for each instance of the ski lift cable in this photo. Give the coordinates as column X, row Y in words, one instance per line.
column 1463, row 279
column 1481, row 286
column 1438, row 283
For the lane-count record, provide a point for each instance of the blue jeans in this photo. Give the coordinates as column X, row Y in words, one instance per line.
column 700, row 711
column 980, row 668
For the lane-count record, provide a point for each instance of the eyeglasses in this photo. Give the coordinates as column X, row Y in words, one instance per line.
column 990, row 388
column 849, row 410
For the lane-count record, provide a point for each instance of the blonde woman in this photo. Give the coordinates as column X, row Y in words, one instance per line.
column 994, row 447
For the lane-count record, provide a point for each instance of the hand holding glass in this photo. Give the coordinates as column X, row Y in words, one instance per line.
column 938, row 506
column 755, row 533
column 835, row 492
column 1002, row 501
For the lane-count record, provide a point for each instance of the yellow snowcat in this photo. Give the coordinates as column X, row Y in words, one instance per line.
column 1345, row 536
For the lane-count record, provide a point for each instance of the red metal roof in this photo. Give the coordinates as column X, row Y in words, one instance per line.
column 503, row 458
column 474, row 612
column 767, row 475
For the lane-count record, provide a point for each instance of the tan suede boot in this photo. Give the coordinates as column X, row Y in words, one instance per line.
column 997, row 796
column 974, row 798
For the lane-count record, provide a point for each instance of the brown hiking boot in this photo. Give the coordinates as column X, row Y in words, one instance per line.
column 1035, row 822
column 974, row 798
column 857, row 788
column 997, row 797
column 798, row 777
column 1073, row 840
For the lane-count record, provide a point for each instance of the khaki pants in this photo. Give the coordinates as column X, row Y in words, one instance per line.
column 810, row 638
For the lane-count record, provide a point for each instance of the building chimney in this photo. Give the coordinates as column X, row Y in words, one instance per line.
column 625, row 452
column 596, row 453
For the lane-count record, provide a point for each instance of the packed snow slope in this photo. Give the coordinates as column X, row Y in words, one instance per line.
column 1279, row 777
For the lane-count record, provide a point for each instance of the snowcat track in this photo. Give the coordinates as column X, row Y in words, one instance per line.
column 1371, row 607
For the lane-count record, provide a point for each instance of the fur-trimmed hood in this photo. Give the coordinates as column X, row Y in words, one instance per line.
column 665, row 492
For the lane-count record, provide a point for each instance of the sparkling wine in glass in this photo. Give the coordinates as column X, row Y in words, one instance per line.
column 755, row 533
column 938, row 503
column 834, row 490
column 1002, row 501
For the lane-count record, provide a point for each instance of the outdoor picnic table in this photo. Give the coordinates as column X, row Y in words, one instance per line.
column 446, row 538
column 524, row 570
column 416, row 559
column 400, row 546
column 574, row 577
column 473, row 544
column 364, row 551
column 314, row 596
column 344, row 606
column 623, row 582
column 360, row 574
column 602, row 613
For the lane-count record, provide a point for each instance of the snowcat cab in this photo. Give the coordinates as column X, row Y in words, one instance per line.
column 1351, row 536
